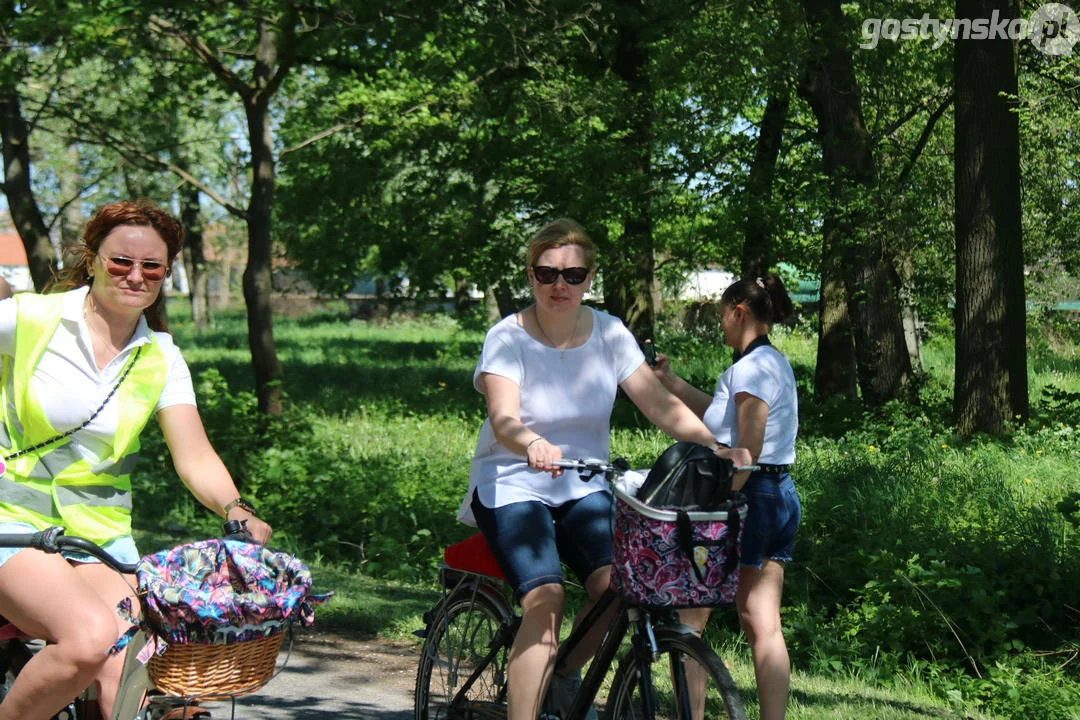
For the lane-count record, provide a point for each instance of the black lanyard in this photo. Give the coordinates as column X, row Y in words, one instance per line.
column 759, row 341
column 68, row 433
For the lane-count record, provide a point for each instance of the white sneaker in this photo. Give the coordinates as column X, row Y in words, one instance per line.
column 561, row 694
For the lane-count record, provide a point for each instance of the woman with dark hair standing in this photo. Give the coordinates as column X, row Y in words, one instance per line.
column 85, row 367
column 755, row 406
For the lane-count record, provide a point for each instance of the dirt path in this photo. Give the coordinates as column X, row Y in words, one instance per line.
column 330, row 676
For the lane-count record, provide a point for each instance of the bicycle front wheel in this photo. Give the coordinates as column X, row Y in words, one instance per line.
column 468, row 641
column 687, row 681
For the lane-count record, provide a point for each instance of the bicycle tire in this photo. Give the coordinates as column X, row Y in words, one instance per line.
column 666, row 673
column 465, row 628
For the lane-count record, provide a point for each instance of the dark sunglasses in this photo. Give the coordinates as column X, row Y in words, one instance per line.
column 121, row 266
column 547, row 275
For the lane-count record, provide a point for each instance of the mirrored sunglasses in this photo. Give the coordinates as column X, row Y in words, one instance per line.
column 546, row 275
column 120, row 266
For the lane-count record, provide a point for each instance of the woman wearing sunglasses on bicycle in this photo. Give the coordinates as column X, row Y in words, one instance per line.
column 85, row 367
column 549, row 375
column 756, row 407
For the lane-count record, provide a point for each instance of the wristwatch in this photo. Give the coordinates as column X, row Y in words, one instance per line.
column 240, row 502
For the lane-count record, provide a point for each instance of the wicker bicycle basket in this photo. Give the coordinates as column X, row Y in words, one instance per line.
column 215, row 671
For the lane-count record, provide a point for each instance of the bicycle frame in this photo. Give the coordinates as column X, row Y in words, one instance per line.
column 134, row 681
column 628, row 618
column 637, row 620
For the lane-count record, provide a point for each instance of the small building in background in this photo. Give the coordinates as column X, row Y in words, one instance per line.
column 13, row 264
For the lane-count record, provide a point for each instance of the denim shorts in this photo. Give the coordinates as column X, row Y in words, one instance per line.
column 530, row 540
column 122, row 548
column 772, row 518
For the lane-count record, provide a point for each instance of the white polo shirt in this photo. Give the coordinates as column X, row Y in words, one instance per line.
column 70, row 386
column 766, row 374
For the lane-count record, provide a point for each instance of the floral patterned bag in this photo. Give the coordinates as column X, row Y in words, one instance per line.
column 218, row 592
column 674, row 558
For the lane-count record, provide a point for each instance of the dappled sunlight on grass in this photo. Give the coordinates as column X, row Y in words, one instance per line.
column 921, row 555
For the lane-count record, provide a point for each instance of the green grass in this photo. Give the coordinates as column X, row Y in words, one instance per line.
column 934, row 577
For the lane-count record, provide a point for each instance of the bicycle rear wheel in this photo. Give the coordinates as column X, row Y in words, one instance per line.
column 673, row 695
column 468, row 629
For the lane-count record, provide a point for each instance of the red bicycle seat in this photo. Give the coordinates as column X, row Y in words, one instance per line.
column 8, row 631
column 473, row 555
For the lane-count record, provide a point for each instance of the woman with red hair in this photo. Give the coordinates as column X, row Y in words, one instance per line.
column 85, row 366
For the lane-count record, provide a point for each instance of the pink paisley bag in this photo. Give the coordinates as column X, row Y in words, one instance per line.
column 677, row 558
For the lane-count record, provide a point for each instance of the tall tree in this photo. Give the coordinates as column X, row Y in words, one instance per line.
column 18, row 31
column 851, row 250
column 991, row 334
column 758, row 247
column 630, row 273
column 194, row 258
column 272, row 53
column 20, row 195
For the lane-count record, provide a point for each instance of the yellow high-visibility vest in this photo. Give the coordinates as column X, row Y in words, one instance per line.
column 55, row 485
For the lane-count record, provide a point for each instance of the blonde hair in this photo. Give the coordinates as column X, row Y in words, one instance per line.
column 558, row 233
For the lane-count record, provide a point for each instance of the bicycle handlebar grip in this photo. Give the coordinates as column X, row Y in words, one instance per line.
column 47, row 539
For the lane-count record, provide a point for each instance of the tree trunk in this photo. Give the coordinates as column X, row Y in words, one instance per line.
column 909, row 311
column 757, row 248
column 20, row 195
column 72, row 220
column 258, row 273
column 991, row 334
column 870, row 281
column 194, row 258
column 462, row 298
column 501, row 302
column 630, row 273
column 835, row 372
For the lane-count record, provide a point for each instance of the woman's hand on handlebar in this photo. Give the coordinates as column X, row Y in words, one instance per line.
column 259, row 530
column 542, row 456
column 741, row 457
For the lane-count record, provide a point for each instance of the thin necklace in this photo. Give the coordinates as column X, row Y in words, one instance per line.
column 562, row 350
column 86, row 319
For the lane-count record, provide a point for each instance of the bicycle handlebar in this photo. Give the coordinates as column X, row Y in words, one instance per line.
column 618, row 466
column 52, row 540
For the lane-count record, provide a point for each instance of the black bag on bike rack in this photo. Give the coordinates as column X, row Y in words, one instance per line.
column 688, row 476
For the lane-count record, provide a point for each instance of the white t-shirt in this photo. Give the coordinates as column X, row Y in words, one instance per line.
column 69, row 385
column 566, row 396
column 765, row 373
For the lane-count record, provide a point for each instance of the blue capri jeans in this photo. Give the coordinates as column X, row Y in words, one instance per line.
column 772, row 518
column 530, row 540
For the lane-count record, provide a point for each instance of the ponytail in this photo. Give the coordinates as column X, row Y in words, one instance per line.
column 766, row 298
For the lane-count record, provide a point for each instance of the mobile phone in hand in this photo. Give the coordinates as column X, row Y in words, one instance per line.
column 650, row 353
